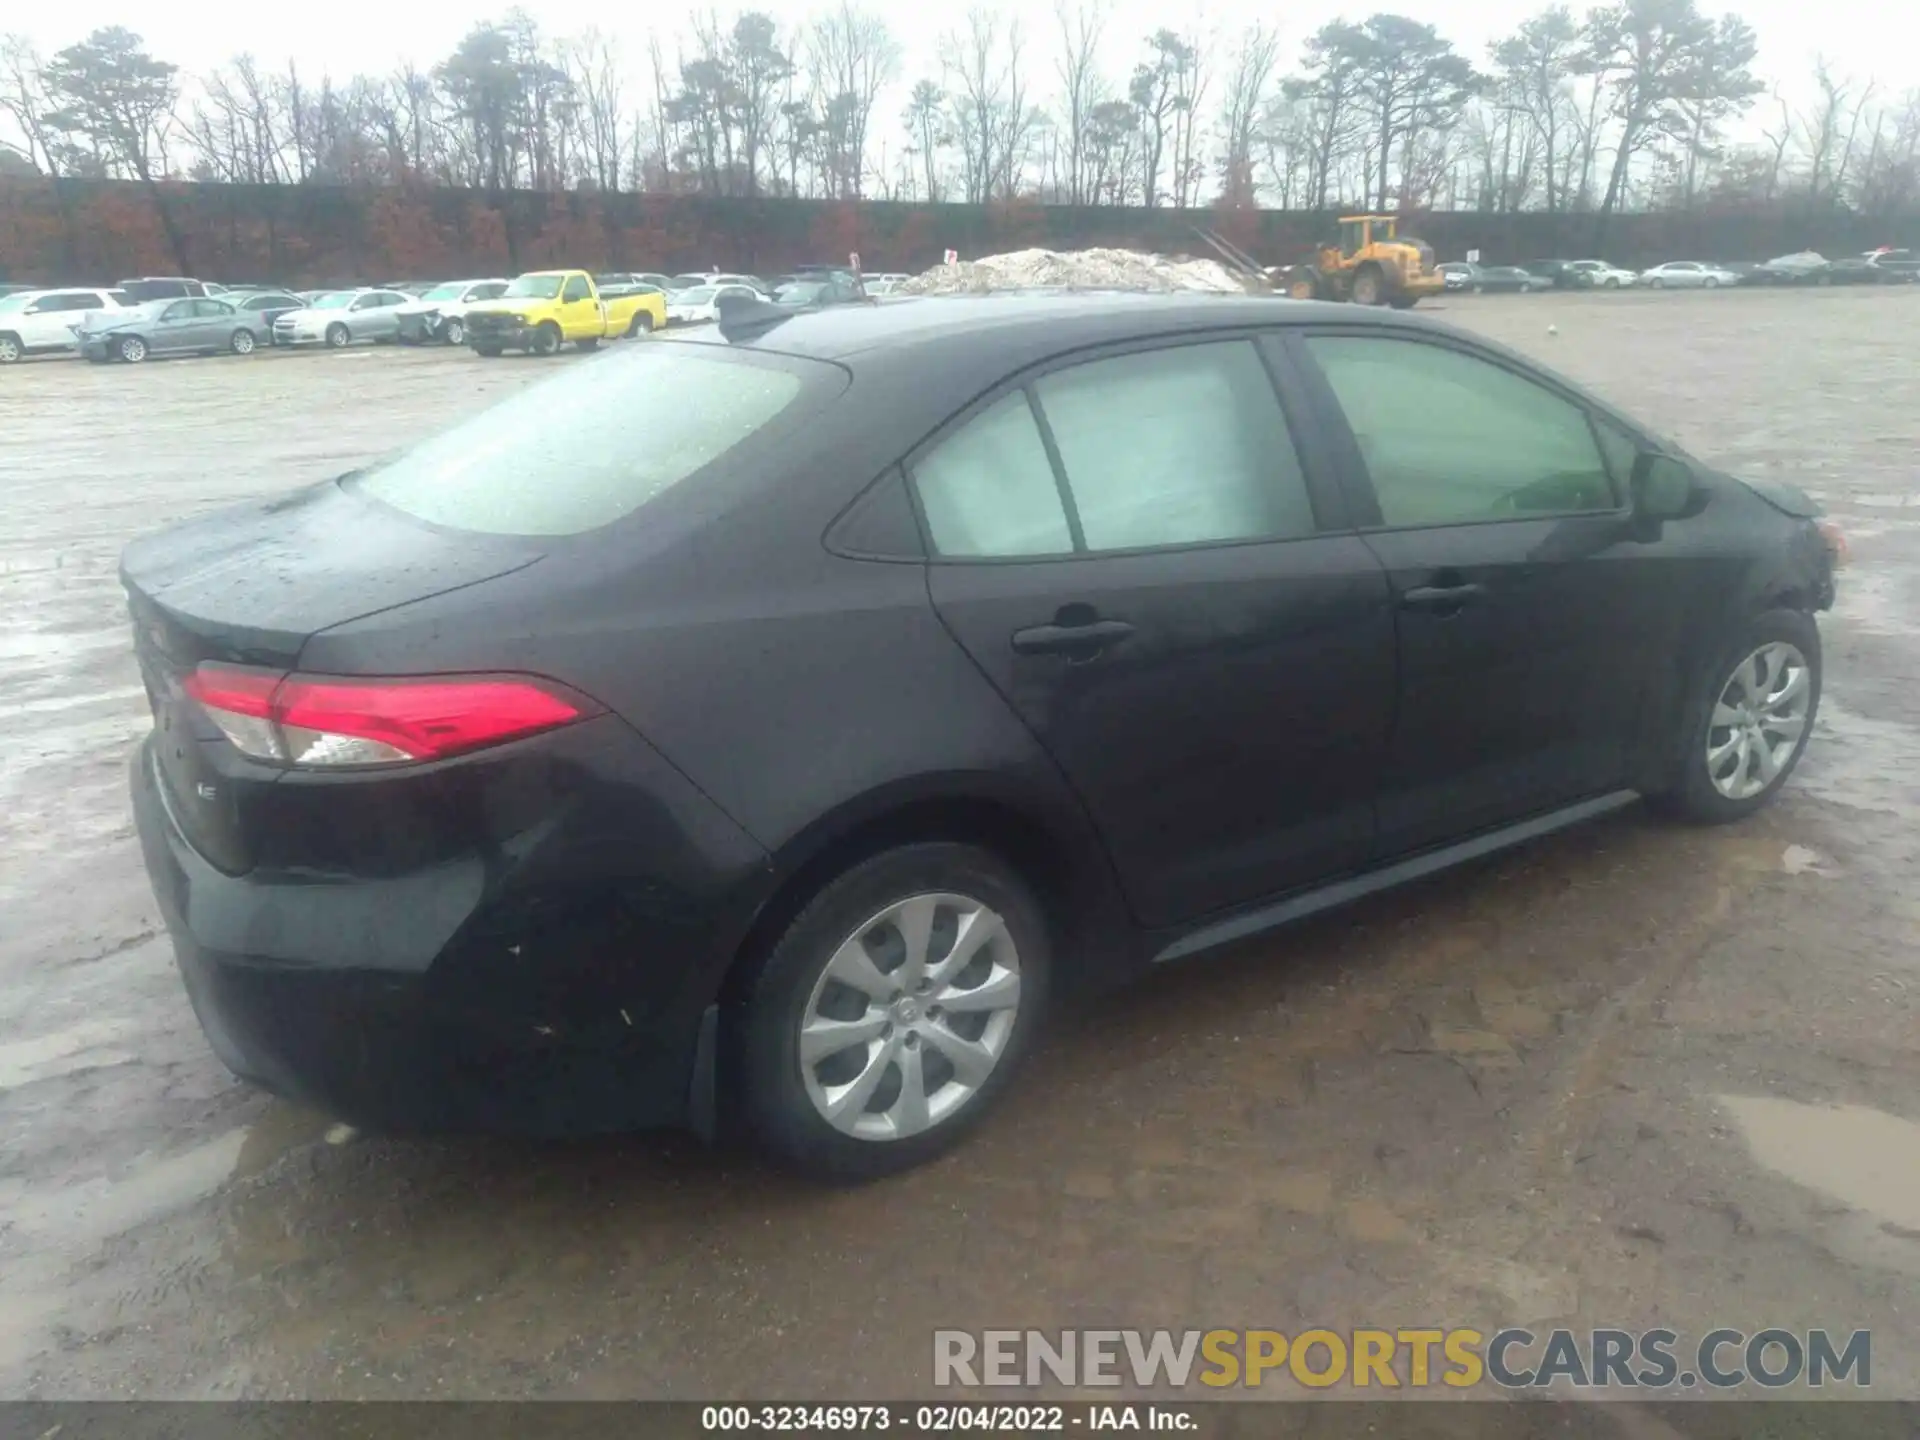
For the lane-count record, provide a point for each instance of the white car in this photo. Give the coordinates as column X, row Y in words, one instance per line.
column 339, row 318
column 701, row 304
column 1687, row 275
column 1603, row 276
column 440, row 314
column 44, row 322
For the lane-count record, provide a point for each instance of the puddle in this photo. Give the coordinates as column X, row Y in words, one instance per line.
column 1866, row 1159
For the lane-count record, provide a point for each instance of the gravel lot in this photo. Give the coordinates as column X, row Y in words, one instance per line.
column 1634, row 1075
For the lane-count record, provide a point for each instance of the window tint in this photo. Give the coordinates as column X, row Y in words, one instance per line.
column 539, row 464
column 179, row 310
column 576, row 288
column 1175, row 447
column 211, row 308
column 988, row 489
column 1449, row 438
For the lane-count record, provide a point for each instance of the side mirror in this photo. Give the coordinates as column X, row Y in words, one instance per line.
column 1664, row 488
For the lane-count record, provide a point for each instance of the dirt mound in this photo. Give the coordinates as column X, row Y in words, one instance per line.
column 1074, row 270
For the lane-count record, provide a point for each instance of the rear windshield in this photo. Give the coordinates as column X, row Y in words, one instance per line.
column 546, row 462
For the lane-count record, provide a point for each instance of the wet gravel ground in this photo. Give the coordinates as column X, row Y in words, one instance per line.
column 1633, row 1075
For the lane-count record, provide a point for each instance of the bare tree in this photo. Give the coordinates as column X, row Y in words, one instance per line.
column 1829, row 131
column 987, row 104
column 593, row 65
column 1082, row 88
column 852, row 57
column 1242, row 108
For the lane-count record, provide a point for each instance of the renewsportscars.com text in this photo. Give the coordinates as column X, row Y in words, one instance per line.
column 1415, row 1358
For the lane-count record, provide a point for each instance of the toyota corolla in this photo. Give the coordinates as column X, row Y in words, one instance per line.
column 906, row 671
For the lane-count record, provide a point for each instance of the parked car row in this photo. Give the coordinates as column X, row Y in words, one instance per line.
column 539, row 312
column 1886, row 265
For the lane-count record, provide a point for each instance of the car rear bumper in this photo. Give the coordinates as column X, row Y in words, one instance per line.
column 437, row 1001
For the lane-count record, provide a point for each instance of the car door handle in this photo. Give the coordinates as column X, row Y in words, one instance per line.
column 1441, row 597
column 1091, row 637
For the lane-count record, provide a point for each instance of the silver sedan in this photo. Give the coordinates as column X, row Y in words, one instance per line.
column 1687, row 274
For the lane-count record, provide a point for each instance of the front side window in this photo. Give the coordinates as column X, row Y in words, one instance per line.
column 207, row 309
column 179, row 310
column 1176, row 447
column 1449, row 438
column 534, row 287
column 576, row 288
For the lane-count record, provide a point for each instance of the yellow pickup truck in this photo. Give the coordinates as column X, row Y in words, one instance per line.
column 545, row 309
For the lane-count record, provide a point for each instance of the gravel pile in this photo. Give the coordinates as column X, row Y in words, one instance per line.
column 1074, row 270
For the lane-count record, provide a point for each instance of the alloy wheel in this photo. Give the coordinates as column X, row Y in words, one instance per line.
column 133, row 349
column 1758, row 720
column 910, row 1017
column 243, row 342
column 455, row 333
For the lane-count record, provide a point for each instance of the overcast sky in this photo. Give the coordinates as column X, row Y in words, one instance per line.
column 348, row 36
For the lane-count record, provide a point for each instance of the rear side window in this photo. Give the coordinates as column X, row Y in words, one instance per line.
column 542, row 462
column 1181, row 446
column 990, row 490
column 1176, row 447
column 1448, row 438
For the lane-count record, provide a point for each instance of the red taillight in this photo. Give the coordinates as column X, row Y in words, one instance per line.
column 323, row 720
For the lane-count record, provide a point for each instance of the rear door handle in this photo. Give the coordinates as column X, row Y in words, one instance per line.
column 1090, row 638
column 1441, row 597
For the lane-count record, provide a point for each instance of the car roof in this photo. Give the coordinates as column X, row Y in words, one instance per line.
column 1048, row 322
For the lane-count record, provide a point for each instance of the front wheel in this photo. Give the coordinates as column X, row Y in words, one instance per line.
column 546, row 340
column 242, row 342
column 1712, row 283
column 132, row 349
column 11, row 350
column 455, row 333
column 1749, row 719
column 338, row 336
column 892, row 1012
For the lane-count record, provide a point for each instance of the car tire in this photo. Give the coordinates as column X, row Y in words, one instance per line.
column 1369, row 286
column 454, row 333
column 1612, row 282
column 852, row 926
column 588, row 344
column 642, row 325
column 1711, row 283
column 11, row 350
column 546, row 339
column 1737, row 685
column 338, row 336
column 1656, row 283
column 242, row 342
column 131, row 349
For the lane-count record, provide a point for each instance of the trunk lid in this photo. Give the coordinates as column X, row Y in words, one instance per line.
column 250, row 586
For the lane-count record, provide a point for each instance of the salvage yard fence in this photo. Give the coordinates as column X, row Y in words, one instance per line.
column 74, row 230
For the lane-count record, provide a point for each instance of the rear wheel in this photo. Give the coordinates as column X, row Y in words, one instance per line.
column 642, row 325
column 338, row 336
column 1656, row 283
column 132, row 349
column 11, row 349
column 546, row 339
column 893, row 1011
column 1613, row 282
column 242, row 342
column 1712, row 283
column 1748, row 721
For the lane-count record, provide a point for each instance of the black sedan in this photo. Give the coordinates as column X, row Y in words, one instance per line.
column 917, row 669
column 1491, row 279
